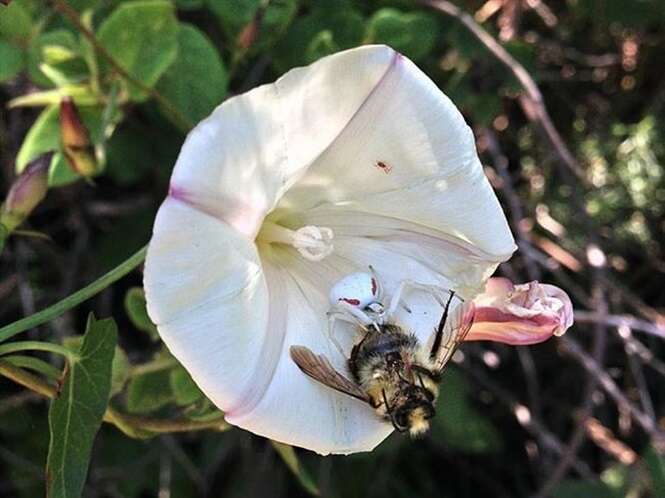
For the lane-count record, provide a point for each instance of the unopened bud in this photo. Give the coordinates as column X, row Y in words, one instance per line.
column 76, row 143
column 27, row 191
column 248, row 35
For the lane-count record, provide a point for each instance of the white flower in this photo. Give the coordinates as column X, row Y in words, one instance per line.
column 355, row 160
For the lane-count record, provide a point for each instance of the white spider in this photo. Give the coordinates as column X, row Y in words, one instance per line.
column 358, row 298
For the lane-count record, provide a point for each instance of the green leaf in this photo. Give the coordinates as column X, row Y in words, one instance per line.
column 656, row 466
column 135, row 306
column 73, row 69
column 82, row 94
column 60, row 173
column 203, row 411
column 12, row 59
column 43, row 136
column 76, row 413
column 457, row 423
column 196, row 83
column 15, row 22
column 583, row 489
column 277, row 18
column 291, row 459
column 119, row 367
column 142, row 37
column 321, row 45
column 413, row 33
column 183, row 387
column 149, row 392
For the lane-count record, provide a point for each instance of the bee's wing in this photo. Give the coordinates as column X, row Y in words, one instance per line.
column 454, row 331
column 319, row 368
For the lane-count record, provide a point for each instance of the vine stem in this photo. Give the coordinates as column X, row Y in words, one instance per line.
column 131, row 425
column 75, row 299
column 14, row 347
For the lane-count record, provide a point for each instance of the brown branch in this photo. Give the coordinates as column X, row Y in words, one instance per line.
column 629, row 321
column 635, row 347
column 533, row 103
column 609, row 386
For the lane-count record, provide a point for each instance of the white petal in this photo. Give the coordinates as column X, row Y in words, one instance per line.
column 207, row 294
column 408, row 154
column 237, row 163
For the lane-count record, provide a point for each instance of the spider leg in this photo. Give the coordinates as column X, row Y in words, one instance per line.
column 435, row 291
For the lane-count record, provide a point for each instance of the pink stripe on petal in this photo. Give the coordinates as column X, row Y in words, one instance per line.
column 245, row 218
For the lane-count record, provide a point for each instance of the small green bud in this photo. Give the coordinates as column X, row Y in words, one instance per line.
column 76, row 143
column 27, row 191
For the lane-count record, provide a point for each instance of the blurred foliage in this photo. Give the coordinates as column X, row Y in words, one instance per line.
column 597, row 62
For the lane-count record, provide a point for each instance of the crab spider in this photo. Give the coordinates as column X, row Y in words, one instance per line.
column 358, row 298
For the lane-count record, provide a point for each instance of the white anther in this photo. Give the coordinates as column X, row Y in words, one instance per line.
column 313, row 243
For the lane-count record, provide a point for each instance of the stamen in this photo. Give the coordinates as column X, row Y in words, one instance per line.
column 313, row 242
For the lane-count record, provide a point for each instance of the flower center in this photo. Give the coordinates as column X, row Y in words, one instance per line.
column 312, row 242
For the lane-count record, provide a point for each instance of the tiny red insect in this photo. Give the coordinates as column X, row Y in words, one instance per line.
column 386, row 168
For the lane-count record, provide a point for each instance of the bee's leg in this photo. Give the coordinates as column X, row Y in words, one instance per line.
column 442, row 324
column 389, row 412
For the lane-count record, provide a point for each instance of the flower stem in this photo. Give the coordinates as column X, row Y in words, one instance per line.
column 75, row 299
column 14, row 347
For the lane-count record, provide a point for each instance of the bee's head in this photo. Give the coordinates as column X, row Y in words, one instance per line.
column 414, row 414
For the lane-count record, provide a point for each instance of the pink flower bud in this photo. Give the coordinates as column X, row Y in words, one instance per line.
column 520, row 314
column 248, row 35
column 76, row 142
column 26, row 193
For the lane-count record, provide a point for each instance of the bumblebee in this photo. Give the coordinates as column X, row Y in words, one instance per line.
column 390, row 369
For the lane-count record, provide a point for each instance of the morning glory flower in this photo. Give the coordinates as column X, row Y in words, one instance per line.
column 355, row 160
